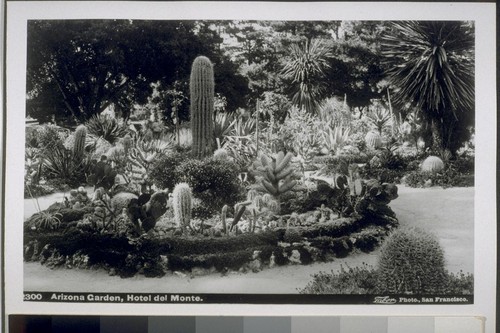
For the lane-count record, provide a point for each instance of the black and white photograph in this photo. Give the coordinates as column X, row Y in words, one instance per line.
column 250, row 161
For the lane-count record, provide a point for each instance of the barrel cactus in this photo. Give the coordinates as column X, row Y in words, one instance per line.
column 201, row 86
column 373, row 140
column 182, row 205
column 432, row 164
column 411, row 261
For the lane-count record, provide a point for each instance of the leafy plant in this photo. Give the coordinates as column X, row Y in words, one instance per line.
column 214, row 182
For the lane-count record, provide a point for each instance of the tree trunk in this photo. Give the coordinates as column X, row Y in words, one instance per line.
column 437, row 139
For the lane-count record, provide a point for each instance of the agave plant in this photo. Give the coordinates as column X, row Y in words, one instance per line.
column 334, row 138
column 106, row 127
column 223, row 127
column 47, row 220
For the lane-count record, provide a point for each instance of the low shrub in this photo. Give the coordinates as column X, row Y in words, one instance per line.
column 384, row 175
column 163, row 171
column 214, row 182
column 350, row 280
column 455, row 174
column 364, row 280
column 411, row 261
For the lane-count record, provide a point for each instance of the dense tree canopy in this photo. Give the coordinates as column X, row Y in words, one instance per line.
column 77, row 68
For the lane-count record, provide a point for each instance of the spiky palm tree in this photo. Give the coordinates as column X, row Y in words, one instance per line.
column 431, row 65
column 305, row 70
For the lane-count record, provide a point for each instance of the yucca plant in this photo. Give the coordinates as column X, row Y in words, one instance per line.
column 305, row 69
column 431, row 66
column 379, row 120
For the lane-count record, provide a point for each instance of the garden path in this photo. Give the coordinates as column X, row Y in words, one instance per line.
column 448, row 213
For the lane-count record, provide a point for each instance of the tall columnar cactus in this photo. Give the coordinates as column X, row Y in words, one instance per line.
column 79, row 144
column 201, row 86
column 182, row 205
column 275, row 174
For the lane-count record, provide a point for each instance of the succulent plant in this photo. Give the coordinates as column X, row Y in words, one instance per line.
column 275, row 174
column 182, row 205
column 411, row 261
column 201, row 86
column 373, row 140
column 79, row 143
column 432, row 164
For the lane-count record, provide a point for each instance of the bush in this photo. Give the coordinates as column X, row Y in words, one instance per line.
column 357, row 280
column 163, row 171
column 411, row 261
column 455, row 174
column 45, row 137
column 214, row 182
column 363, row 280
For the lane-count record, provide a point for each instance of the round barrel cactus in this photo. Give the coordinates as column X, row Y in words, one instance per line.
column 373, row 140
column 432, row 164
column 411, row 262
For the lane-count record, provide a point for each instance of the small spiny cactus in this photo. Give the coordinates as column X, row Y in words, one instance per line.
column 182, row 205
column 79, row 144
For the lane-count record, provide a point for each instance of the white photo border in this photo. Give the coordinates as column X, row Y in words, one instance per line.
column 483, row 14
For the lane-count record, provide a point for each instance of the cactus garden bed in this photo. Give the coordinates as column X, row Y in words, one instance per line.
column 154, row 255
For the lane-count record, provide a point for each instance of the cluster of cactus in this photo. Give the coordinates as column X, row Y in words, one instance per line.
column 411, row 261
column 432, row 164
column 275, row 175
column 182, row 197
column 201, row 86
column 77, row 198
column 256, row 206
